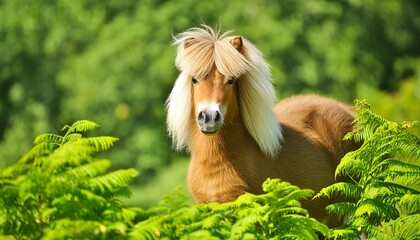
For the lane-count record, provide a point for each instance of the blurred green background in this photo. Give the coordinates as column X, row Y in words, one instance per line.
column 112, row 62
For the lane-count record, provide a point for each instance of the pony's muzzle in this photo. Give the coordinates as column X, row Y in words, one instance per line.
column 209, row 121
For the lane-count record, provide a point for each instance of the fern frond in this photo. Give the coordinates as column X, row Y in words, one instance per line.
column 91, row 169
column 81, row 229
column 395, row 188
column 48, row 138
column 295, row 195
column 73, row 137
column 341, row 189
column 246, row 224
column 410, row 204
column 68, row 155
column 396, row 165
column 122, row 192
column 113, row 180
column 351, row 165
column 406, row 227
column 404, row 178
column 349, row 232
column 342, row 209
column 296, row 227
column 41, row 149
column 102, row 143
column 409, row 152
column 80, row 126
column 376, row 210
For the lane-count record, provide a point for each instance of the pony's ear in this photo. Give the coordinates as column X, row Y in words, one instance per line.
column 237, row 43
column 188, row 42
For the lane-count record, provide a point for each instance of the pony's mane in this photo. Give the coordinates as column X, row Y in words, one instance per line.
column 199, row 50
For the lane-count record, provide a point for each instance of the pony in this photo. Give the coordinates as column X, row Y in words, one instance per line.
column 222, row 110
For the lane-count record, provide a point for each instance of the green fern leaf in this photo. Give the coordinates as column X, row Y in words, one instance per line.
column 112, row 181
column 350, row 165
column 102, row 143
column 41, row 149
column 410, row 204
column 48, row 138
column 341, row 209
column 406, row 227
column 404, row 178
column 376, row 210
column 342, row 189
column 73, row 137
column 80, row 126
column 343, row 233
column 91, row 169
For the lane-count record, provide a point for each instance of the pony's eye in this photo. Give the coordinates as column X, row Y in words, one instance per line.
column 231, row 80
column 194, row 81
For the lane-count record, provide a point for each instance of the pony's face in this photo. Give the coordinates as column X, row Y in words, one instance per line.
column 212, row 96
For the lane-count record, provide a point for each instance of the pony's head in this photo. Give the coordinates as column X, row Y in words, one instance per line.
column 221, row 76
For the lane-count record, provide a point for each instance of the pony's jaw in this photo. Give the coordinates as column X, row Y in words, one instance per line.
column 209, row 118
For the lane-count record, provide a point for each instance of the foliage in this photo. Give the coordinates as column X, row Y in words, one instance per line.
column 399, row 106
column 60, row 190
column 274, row 215
column 111, row 61
column 385, row 194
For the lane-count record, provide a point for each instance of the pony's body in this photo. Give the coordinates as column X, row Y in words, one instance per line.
column 221, row 107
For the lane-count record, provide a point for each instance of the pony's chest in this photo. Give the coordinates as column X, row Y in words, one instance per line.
column 215, row 181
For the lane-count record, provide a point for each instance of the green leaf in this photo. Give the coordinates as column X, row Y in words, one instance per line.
column 341, row 189
column 48, row 138
column 80, row 126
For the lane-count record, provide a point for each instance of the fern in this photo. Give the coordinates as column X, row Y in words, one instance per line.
column 59, row 190
column 400, row 228
column 80, row 126
column 385, row 170
column 276, row 214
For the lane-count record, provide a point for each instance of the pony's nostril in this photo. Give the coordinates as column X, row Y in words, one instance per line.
column 202, row 117
column 217, row 117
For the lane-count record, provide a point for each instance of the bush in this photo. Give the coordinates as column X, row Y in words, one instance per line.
column 61, row 190
column 276, row 214
column 386, row 180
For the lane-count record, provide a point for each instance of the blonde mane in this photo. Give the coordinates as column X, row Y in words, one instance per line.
column 256, row 92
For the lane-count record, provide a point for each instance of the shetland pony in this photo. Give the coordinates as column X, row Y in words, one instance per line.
column 222, row 110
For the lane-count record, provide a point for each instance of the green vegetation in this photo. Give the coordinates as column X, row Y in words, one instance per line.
column 60, row 189
column 276, row 214
column 112, row 62
column 386, row 174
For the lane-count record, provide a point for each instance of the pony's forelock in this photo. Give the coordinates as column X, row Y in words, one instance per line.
column 201, row 49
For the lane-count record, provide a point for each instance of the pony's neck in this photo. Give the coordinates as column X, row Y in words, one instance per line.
column 223, row 165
